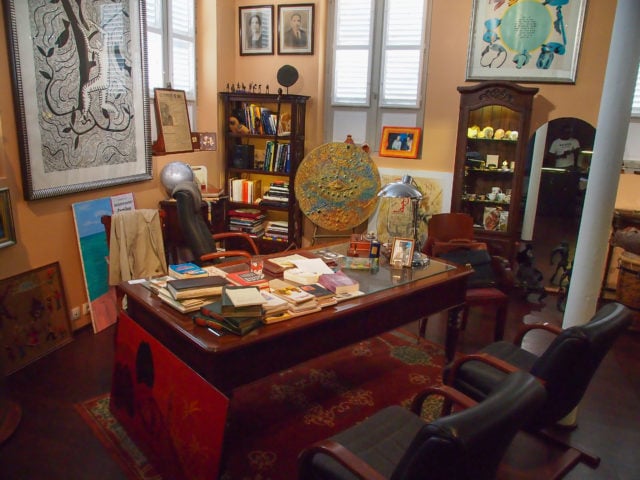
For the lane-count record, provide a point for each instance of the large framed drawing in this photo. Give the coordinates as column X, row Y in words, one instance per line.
column 79, row 75
column 525, row 41
column 35, row 318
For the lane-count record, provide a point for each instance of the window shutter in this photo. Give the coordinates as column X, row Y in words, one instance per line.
column 635, row 107
column 352, row 52
column 403, row 40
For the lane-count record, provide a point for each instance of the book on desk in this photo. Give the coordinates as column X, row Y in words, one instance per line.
column 208, row 286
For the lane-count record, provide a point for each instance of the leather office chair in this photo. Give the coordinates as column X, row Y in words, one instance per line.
column 449, row 232
column 397, row 444
column 200, row 240
column 565, row 368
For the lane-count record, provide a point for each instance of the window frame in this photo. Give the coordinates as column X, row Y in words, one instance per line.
column 374, row 112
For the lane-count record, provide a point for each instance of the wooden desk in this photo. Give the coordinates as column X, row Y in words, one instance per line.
column 393, row 299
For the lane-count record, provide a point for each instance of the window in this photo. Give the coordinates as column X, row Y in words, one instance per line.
column 171, row 48
column 635, row 107
column 377, row 68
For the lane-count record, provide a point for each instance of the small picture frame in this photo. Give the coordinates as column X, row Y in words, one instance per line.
column 295, row 29
column 256, row 30
column 7, row 230
column 401, row 252
column 172, row 119
column 400, row 142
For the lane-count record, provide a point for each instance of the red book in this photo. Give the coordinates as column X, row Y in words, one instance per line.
column 248, row 278
column 338, row 282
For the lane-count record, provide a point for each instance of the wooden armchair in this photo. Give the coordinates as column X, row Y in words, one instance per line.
column 450, row 236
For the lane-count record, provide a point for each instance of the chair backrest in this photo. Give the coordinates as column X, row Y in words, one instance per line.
column 448, row 226
column 194, row 229
column 569, row 363
column 471, row 443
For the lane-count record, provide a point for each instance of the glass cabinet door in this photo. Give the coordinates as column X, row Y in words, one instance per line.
column 490, row 161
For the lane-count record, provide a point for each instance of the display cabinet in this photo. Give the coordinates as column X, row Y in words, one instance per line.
column 263, row 147
column 493, row 131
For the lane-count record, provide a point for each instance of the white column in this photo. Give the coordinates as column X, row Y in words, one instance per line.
column 533, row 190
column 608, row 150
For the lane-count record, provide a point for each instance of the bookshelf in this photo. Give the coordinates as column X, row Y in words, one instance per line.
column 263, row 147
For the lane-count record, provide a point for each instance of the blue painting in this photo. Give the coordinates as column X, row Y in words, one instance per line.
column 94, row 253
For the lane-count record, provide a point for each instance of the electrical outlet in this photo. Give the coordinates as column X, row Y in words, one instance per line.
column 75, row 313
column 86, row 308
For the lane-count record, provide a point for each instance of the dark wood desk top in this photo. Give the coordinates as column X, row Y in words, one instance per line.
column 231, row 360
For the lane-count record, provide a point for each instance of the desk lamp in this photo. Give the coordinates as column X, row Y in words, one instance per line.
column 405, row 188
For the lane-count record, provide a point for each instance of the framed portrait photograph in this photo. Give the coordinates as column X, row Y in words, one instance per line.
column 172, row 120
column 525, row 41
column 401, row 252
column 295, row 29
column 82, row 109
column 7, row 229
column 256, row 30
column 401, row 142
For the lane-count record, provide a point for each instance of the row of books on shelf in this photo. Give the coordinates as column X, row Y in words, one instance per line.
column 262, row 120
column 277, row 157
column 277, row 230
column 240, row 302
column 247, row 220
column 244, row 190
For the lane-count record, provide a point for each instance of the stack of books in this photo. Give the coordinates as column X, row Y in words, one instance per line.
column 248, row 278
column 300, row 302
column 277, row 231
column 277, row 195
column 247, row 220
column 239, row 309
column 208, row 286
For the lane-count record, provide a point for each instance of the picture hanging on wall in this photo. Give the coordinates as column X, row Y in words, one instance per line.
column 82, row 109
column 256, row 30
column 7, row 230
column 35, row 318
column 295, row 29
column 525, row 41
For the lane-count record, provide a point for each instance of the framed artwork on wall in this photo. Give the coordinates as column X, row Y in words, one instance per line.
column 401, row 142
column 525, row 41
column 256, row 30
column 35, row 316
column 295, row 29
column 79, row 71
column 7, row 230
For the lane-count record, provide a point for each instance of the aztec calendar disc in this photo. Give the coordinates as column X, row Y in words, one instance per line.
column 336, row 186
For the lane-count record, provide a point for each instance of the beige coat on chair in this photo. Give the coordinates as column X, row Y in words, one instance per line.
column 136, row 246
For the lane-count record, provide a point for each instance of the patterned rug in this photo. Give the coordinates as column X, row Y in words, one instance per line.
column 274, row 418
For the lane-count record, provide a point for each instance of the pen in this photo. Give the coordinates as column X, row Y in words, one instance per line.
column 217, row 334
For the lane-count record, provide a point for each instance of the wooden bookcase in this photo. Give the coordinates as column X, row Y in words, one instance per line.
column 244, row 154
column 492, row 157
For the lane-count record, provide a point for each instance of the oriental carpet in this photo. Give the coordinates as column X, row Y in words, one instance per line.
column 273, row 419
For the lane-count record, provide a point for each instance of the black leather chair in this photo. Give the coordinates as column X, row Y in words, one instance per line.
column 200, row 240
column 565, row 368
column 397, row 444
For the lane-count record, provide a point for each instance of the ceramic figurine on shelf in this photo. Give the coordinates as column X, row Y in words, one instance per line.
column 349, row 140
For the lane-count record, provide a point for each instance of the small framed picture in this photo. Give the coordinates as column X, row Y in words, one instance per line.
column 295, row 29
column 172, row 120
column 401, row 142
column 256, row 30
column 401, row 252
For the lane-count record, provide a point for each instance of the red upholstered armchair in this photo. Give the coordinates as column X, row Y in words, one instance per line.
column 450, row 236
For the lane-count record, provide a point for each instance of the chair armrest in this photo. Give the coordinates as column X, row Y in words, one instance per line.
column 524, row 329
column 339, row 453
column 245, row 236
column 450, row 395
column 503, row 272
column 490, row 360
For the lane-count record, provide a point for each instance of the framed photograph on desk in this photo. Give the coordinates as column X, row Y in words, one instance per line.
column 172, row 119
column 401, row 252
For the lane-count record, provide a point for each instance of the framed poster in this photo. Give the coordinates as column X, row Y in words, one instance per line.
column 256, row 30
column 35, row 318
column 172, row 119
column 295, row 29
column 79, row 71
column 525, row 41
